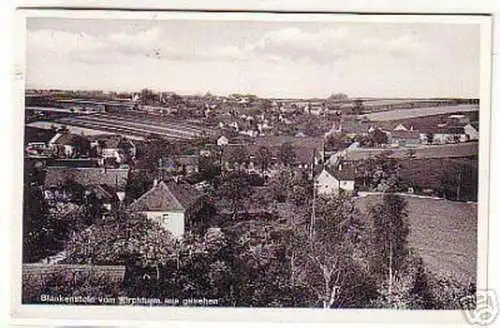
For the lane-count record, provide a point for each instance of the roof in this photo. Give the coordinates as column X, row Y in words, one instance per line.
column 105, row 192
column 166, row 197
column 307, row 142
column 67, row 139
column 113, row 141
column 354, row 127
column 33, row 134
column 87, row 176
column 402, row 134
column 73, row 162
column 347, row 173
column 192, row 160
column 475, row 125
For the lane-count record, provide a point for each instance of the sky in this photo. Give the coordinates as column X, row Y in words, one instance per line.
column 266, row 58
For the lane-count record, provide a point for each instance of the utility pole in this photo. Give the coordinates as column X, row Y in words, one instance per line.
column 313, row 212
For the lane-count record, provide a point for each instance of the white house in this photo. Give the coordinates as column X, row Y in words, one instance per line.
column 331, row 182
column 222, row 141
column 171, row 204
column 400, row 127
column 115, row 146
column 472, row 131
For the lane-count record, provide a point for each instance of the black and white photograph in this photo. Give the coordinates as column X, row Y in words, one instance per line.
column 253, row 161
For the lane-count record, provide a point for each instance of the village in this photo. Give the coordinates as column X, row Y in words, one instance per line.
column 195, row 164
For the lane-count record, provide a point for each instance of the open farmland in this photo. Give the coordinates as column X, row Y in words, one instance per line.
column 140, row 125
column 443, row 232
column 399, row 114
column 438, row 151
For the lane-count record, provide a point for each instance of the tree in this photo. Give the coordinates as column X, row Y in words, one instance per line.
column 147, row 96
column 378, row 137
column 261, row 266
column 459, row 180
column 264, row 156
column 287, row 154
column 429, row 138
column 138, row 182
column 35, row 213
column 156, row 148
column 122, row 239
column 330, row 263
column 238, row 156
column 82, row 146
column 390, row 233
column 358, row 106
column 236, row 189
column 336, row 142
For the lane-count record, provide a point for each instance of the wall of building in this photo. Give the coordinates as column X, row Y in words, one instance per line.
column 327, row 184
column 172, row 221
column 347, row 185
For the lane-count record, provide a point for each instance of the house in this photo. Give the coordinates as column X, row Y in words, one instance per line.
column 105, row 194
column 117, row 147
column 444, row 133
column 37, row 140
column 183, row 164
column 334, row 181
column 57, row 177
column 472, row 131
column 66, row 144
column 172, row 204
column 222, row 141
column 351, row 128
column 188, row 163
column 402, row 138
column 400, row 127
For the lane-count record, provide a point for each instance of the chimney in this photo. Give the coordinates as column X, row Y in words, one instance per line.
column 340, row 167
column 411, row 128
column 155, row 182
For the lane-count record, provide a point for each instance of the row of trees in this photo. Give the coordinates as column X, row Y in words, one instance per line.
column 349, row 261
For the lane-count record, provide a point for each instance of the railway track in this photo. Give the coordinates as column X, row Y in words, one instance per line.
column 131, row 125
column 116, row 128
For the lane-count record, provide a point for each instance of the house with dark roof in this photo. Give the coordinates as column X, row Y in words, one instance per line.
column 66, row 144
column 115, row 146
column 105, row 194
column 351, row 128
column 172, row 204
column 445, row 133
column 332, row 181
column 57, row 177
column 37, row 140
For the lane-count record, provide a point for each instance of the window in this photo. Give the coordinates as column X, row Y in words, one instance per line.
column 164, row 218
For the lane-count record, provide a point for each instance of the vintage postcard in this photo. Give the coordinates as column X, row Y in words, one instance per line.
column 253, row 166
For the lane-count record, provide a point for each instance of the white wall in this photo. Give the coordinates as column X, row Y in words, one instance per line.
column 171, row 221
column 326, row 184
column 347, row 185
column 471, row 132
column 109, row 152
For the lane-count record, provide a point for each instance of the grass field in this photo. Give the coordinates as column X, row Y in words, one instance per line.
column 443, row 232
column 438, row 151
column 399, row 114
